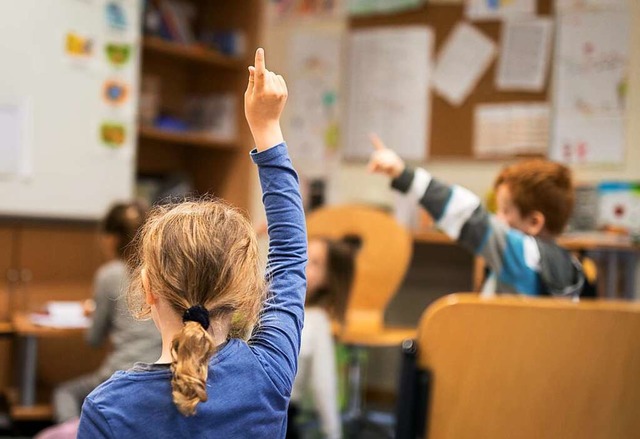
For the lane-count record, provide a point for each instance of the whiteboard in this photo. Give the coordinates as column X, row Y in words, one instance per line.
column 68, row 109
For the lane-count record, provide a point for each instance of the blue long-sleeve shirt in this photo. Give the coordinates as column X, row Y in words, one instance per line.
column 249, row 384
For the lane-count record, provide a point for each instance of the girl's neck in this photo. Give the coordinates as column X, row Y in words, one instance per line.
column 219, row 331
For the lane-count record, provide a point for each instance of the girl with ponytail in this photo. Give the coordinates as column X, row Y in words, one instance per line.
column 230, row 339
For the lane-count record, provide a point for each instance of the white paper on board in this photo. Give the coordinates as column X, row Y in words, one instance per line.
column 388, row 87
column 524, row 55
column 462, row 61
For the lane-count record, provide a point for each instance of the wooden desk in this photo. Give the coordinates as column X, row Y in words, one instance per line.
column 6, row 328
column 609, row 249
column 28, row 335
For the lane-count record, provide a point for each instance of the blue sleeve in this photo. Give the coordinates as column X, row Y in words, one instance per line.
column 93, row 424
column 277, row 339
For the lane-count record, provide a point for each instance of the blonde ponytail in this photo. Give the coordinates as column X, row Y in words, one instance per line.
column 191, row 350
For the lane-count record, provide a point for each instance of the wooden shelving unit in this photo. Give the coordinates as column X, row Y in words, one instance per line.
column 220, row 167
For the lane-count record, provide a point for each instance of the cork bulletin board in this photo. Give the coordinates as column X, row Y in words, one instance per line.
column 452, row 128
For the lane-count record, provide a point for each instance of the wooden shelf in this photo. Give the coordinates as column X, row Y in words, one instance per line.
column 185, row 138
column 192, row 53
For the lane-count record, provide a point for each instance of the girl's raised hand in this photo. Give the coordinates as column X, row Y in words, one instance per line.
column 384, row 160
column 264, row 101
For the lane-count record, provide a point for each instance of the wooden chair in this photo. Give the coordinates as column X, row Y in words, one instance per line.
column 381, row 264
column 527, row 368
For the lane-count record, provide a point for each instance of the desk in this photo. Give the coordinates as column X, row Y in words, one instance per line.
column 609, row 249
column 6, row 329
column 28, row 334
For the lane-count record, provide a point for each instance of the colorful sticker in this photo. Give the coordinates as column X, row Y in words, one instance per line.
column 116, row 16
column 115, row 92
column 113, row 134
column 118, row 54
column 78, row 46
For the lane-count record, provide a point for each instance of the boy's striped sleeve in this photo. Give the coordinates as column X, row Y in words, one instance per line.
column 458, row 212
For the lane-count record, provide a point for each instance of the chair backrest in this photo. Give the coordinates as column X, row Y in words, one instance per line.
column 531, row 368
column 381, row 262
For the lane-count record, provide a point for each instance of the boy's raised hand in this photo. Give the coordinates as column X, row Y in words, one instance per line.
column 264, row 101
column 384, row 160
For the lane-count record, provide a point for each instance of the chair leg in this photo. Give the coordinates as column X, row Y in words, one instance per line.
column 357, row 420
column 354, row 405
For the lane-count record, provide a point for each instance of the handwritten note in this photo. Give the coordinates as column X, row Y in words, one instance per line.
column 524, row 57
column 389, row 90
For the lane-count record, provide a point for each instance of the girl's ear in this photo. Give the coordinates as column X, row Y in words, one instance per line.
column 149, row 298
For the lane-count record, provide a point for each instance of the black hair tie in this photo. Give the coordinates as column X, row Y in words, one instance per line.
column 197, row 313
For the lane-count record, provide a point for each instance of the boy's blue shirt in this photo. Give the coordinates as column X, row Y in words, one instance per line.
column 249, row 384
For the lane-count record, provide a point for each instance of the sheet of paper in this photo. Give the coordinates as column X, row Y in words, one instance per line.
column 388, row 87
column 524, row 55
column 462, row 61
column 314, row 83
column 62, row 314
column 365, row 7
column 13, row 138
column 511, row 129
column 485, row 10
column 591, row 86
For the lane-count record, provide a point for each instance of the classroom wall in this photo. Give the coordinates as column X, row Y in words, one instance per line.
column 351, row 183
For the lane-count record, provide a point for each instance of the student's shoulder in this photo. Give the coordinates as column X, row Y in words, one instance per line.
column 109, row 389
column 112, row 272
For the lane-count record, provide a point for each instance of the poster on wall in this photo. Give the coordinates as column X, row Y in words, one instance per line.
column 591, row 82
column 314, row 82
column 389, row 76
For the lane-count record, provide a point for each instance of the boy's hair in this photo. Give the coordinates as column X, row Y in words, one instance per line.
column 543, row 186
column 123, row 221
column 340, row 267
column 199, row 253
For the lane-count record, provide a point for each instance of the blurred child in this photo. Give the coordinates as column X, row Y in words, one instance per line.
column 131, row 340
column 534, row 202
column 229, row 344
column 330, row 273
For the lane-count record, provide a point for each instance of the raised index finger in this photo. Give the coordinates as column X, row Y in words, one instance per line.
column 376, row 142
column 260, row 67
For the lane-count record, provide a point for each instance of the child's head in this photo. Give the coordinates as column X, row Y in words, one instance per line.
column 535, row 196
column 119, row 227
column 330, row 270
column 201, row 253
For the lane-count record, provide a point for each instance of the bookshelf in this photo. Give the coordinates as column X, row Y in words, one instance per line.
column 214, row 165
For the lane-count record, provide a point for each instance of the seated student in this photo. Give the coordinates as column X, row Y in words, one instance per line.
column 329, row 276
column 229, row 345
column 131, row 340
column 534, row 202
